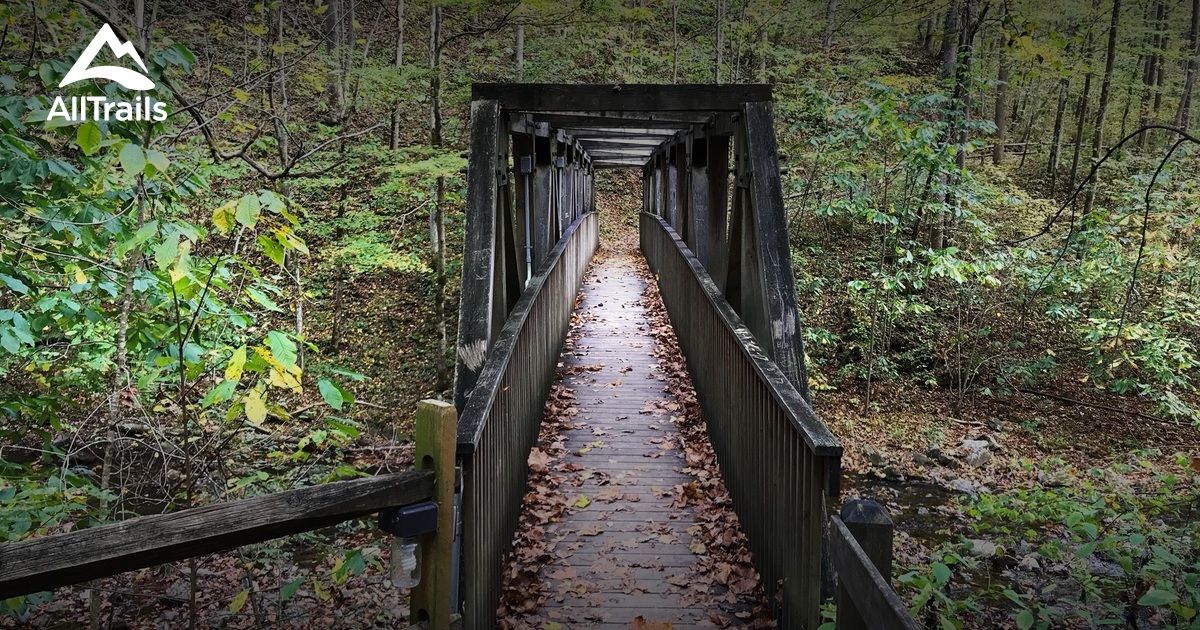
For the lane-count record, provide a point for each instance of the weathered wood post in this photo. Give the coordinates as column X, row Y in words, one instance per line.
column 869, row 524
column 437, row 424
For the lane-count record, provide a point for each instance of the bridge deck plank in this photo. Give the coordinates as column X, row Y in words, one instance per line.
column 616, row 559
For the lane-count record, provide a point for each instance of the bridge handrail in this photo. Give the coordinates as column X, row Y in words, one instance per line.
column 503, row 413
column 779, row 462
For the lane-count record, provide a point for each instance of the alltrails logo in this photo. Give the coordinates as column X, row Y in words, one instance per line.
column 101, row 107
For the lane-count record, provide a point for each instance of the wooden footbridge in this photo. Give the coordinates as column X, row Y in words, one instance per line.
column 713, row 230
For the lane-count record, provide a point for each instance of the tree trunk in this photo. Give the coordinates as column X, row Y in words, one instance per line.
column 1149, row 70
column 675, row 41
column 1183, row 113
column 1084, row 102
column 437, row 210
column 1105, row 91
column 1001, row 113
column 396, row 108
column 1064, row 85
column 334, row 40
column 830, row 16
column 520, row 51
column 950, row 41
column 720, row 45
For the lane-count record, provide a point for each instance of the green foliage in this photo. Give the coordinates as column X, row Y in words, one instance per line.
column 1115, row 547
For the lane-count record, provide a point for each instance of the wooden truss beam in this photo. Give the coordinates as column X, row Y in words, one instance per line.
column 635, row 98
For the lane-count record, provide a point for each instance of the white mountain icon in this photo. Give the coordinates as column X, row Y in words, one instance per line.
column 126, row 77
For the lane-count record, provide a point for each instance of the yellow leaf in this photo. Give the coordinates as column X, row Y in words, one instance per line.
column 239, row 601
column 583, row 501
column 223, row 217
column 256, row 410
column 233, row 371
column 321, row 9
column 285, row 380
column 80, row 277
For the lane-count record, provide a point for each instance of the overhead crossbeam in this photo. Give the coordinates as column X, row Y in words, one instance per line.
column 545, row 97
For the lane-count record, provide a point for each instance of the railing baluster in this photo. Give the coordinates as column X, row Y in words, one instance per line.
column 774, row 453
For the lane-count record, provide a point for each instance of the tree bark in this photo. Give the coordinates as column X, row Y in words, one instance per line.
column 720, row 44
column 830, row 16
column 520, row 51
column 1183, row 113
column 437, row 210
column 1084, row 102
column 950, row 41
column 675, row 41
column 1064, row 86
column 1105, row 90
column 1001, row 112
column 396, row 109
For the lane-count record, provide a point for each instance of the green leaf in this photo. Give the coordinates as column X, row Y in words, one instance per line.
column 88, row 136
column 289, row 589
column 248, row 209
column 282, row 348
column 158, row 159
column 263, row 300
column 166, row 252
column 271, row 248
column 14, row 284
column 331, row 393
column 219, row 394
column 143, row 234
column 133, row 159
column 1025, row 620
column 1157, row 597
column 239, row 601
column 941, row 573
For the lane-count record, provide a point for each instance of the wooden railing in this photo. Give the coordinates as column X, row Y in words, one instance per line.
column 780, row 462
column 500, row 422
column 860, row 543
column 41, row 564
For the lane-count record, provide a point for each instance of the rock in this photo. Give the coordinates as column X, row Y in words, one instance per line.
column 1051, row 480
column 979, row 458
column 996, row 425
column 892, row 473
column 921, row 459
column 982, row 548
column 1029, row 563
column 962, row 485
column 1104, row 568
column 922, row 511
column 977, row 452
column 974, row 445
column 938, row 456
column 993, row 443
column 176, row 593
column 873, row 456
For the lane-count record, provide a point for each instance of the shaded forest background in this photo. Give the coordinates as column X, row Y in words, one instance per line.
column 993, row 208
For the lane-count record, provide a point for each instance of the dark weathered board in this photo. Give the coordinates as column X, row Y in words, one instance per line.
column 45, row 563
column 873, row 602
column 637, row 97
column 621, row 550
column 476, row 318
column 784, row 337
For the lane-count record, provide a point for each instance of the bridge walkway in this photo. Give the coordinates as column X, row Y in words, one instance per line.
column 629, row 544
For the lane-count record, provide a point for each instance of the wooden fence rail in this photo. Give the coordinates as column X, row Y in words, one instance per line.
column 49, row 562
column 860, row 542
